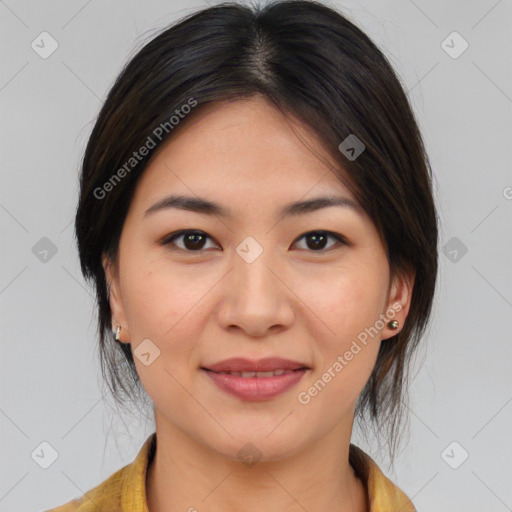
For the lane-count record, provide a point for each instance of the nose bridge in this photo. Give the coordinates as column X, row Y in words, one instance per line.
column 252, row 276
column 255, row 299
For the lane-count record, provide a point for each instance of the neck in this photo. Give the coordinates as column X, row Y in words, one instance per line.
column 186, row 475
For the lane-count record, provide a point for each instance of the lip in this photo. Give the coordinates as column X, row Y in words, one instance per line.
column 255, row 388
column 240, row 364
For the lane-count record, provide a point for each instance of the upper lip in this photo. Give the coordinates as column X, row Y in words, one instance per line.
column 240, row 364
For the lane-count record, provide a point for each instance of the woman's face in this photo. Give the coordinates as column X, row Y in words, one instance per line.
column 253, row 285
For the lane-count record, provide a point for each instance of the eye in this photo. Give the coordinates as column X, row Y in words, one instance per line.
column 319, row 238
column 194, row 241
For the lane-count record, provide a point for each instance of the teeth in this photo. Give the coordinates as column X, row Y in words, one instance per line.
column 264, row 374
column 257, row 374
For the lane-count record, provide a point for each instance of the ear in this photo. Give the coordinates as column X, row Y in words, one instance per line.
column 399, row 301
column 114, row 297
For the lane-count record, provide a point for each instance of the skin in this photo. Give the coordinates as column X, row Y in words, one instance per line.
column 203, row 306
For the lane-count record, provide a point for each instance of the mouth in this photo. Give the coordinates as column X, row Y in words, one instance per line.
column 255, row 380
column 259, row 375
column 262, row 368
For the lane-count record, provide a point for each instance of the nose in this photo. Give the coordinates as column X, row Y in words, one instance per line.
column 256, row 298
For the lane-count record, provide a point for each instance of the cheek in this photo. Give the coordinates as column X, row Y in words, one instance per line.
column 346, row 306
column 156, row 295
column 167, row 310
column 167, row 305
column 345, row 300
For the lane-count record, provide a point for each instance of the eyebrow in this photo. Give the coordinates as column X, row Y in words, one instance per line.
column 204, row 206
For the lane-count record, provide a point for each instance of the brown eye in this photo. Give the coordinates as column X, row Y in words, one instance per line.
column 193, row 241
column 317, row 240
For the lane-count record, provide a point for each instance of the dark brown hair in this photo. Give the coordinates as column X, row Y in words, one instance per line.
column 310, row 62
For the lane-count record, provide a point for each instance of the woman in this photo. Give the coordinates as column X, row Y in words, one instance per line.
column 257, row 217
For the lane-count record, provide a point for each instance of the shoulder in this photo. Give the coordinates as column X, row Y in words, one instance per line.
column 383, row 494
column 105, row 496
column 123, row 490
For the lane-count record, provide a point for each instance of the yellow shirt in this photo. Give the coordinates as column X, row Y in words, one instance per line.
column 125, row 490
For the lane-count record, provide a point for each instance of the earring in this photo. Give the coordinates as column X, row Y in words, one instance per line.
column 393, row 324
column 118, row 332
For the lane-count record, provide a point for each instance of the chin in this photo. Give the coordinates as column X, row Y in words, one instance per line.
column 265, row 442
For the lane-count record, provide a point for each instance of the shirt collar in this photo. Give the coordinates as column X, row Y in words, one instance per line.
column 133, row 497
column 382, row 494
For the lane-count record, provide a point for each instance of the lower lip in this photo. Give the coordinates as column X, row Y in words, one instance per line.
column 256, row 388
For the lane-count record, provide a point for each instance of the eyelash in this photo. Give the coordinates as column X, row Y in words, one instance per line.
column 168, row 240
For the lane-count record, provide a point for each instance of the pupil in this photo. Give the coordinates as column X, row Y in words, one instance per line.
column 315, row 238
column 193, row 238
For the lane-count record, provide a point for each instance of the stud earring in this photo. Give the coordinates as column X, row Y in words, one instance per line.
column 393, row 324
column 118, row 331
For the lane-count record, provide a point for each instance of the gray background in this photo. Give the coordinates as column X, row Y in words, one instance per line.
column 51, row 384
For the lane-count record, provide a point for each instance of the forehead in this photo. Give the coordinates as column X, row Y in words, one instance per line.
column 241, row 149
